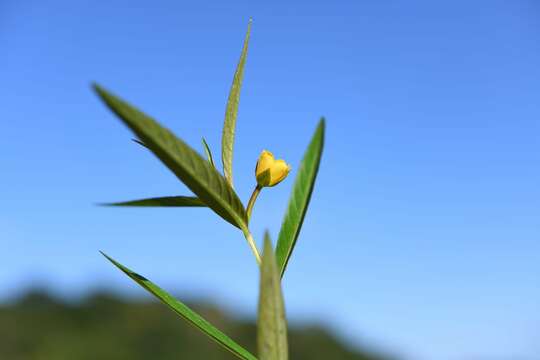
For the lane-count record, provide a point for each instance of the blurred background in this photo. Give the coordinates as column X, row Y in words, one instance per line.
column 421, row 241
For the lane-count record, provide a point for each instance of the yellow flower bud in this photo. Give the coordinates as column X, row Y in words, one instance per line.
column 270, row 172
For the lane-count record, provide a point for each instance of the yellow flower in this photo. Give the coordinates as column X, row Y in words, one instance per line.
column 270, row 172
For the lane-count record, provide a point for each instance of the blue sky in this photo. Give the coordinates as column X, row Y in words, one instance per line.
column 422, row 237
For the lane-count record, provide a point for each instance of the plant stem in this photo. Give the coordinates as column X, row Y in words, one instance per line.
column 252, row 245
column 252, row 200
column 247, row 234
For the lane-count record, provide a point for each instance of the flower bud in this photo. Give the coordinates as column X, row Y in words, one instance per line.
column 270, row 172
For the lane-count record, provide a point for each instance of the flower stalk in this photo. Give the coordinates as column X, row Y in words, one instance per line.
column 252, row 200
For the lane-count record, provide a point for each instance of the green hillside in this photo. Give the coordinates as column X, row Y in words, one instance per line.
column 105, row 327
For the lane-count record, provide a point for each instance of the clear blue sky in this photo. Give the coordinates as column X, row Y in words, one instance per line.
column 423, row 234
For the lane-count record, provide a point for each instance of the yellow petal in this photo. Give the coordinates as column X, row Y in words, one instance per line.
column 270, row 172
column 266, row 160
column 279, row 171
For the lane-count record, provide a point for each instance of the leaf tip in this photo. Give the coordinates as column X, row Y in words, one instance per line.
column 267, row 243
column 96, row 87
column 322, row 123
column 112, row 260
column 138, row 142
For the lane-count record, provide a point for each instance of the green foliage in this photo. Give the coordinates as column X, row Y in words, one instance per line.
column 208, row 153
column 166, row 201
column 231, row 112
column 299, row 200
column 195, row 172
column 186, row 313
column 271, row 324
column 216, row 191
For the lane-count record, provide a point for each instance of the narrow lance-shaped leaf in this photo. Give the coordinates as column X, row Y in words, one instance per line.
column 299, row 200
column 208, row 153
column 271, row 323
column 205, row 146
column 231, row 112
column 186, row 313
column 165, row 201
column 194, row 171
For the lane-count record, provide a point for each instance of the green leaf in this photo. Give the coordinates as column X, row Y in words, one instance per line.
column 186, row 313
column 166, row 201
column 208, row 153
column 271, row 324
column 299, row 200
column 231, row 112
column 194, row 171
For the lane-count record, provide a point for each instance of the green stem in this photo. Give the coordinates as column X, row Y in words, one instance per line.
column 247, row 234
column 252, row 245
column 252, row 200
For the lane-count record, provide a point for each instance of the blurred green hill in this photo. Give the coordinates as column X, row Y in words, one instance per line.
column 105, row 327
